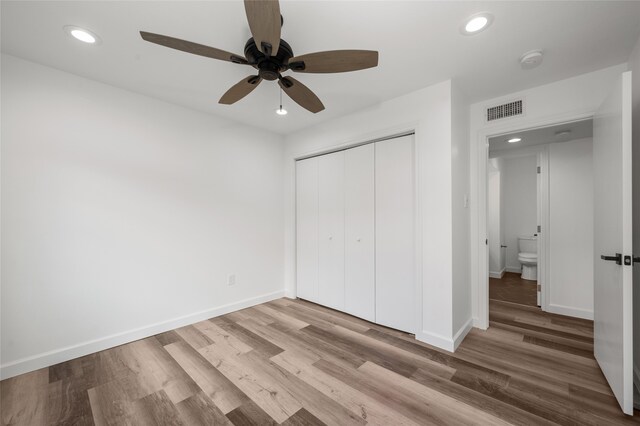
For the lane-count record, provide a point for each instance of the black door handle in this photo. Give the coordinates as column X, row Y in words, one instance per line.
column 617, row 258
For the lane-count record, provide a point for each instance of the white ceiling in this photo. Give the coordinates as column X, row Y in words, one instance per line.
column 419, row 45
column 544, row 135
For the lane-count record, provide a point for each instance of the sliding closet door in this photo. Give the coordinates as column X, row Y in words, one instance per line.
column 359, row 232
column 331, row 226
column 395, row 288
column 307, row 229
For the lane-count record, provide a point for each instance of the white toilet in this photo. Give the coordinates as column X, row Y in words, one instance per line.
column 528, row 256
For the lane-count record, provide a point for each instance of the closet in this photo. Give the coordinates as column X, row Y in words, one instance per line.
column 355, row 231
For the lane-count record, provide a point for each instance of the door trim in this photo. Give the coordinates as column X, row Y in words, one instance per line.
column 479, row 251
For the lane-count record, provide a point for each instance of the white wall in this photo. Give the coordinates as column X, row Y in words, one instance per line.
column 122, row 216
column 571, row 98
column 634, row 66
column 460, row 209
column 571, row 228
column 429, row 112
column 519, row 204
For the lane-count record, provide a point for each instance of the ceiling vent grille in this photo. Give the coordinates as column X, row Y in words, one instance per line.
column 506, row 110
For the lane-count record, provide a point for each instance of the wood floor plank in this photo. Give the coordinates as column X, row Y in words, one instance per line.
column 363, row 351
column 193, row 336
column 257, row 343
column 309, row 397
column 249, row 414
column 303, row 418
column 287, row 320
column 225, row 395
column 296, row 363
column 23, row 398
column 221, row 337
column 369, row 409
column 199, row 410
column 270, row 396
column 154, row 409
column 68, row 403
column 469, row 393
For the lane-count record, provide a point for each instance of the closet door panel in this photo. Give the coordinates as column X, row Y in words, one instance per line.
column 394, row 219
column 307, row 229
column 359, row 232
column 331, row 226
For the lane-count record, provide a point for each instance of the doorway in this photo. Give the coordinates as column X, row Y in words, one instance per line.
column 540, row 218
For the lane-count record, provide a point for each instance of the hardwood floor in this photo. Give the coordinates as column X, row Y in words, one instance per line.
column 512, row 288
column 296, row 363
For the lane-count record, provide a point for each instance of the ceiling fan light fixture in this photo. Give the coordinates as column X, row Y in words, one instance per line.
column 476, row 23
column 82, row 34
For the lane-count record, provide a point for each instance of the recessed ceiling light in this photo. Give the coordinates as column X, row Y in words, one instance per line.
column 514, row 140
column 281, row 111
column 82, row 34
column 476, row 23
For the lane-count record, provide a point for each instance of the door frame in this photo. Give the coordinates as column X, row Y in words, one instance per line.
column 481, row 249
column 377, row 136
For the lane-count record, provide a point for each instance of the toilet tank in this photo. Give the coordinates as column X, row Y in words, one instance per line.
column 528, row 244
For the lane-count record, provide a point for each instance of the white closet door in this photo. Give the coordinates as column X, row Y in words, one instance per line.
column 331, row 226
column 394, row 229
column 359, row 232
column 307, row 229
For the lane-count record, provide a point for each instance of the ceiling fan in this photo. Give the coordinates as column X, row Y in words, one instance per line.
column 272, row 56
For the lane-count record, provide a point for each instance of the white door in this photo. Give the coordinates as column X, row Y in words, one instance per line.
column 613, row 235
column 359, row 207
column 395, row 281
column 331, row 230
column 307, row 229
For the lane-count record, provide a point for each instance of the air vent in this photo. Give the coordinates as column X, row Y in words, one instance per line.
column 506, row 110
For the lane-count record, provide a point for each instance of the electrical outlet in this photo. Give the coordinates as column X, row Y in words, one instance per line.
column 231, row 279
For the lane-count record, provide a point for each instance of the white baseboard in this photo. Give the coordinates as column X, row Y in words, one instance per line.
column 497, row 275
column 514, row 269
column 436, row 340
column 570, row 311
column 56, row 356
column 462, row 333
column 476, row 323
column 443, row 342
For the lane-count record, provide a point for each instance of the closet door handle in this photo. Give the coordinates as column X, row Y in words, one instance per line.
column 359, row 239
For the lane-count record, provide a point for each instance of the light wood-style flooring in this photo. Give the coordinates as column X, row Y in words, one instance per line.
column 296, row 363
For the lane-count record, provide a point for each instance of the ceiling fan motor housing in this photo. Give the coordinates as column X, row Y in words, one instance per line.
column 269, row 67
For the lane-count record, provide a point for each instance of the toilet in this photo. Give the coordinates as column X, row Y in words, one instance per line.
column 528, row 256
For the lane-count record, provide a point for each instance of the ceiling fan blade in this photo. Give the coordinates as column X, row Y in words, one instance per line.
column 190, row 47
column 334, row 61
column 301, row 94
column 265, row 24
column 240, row 90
